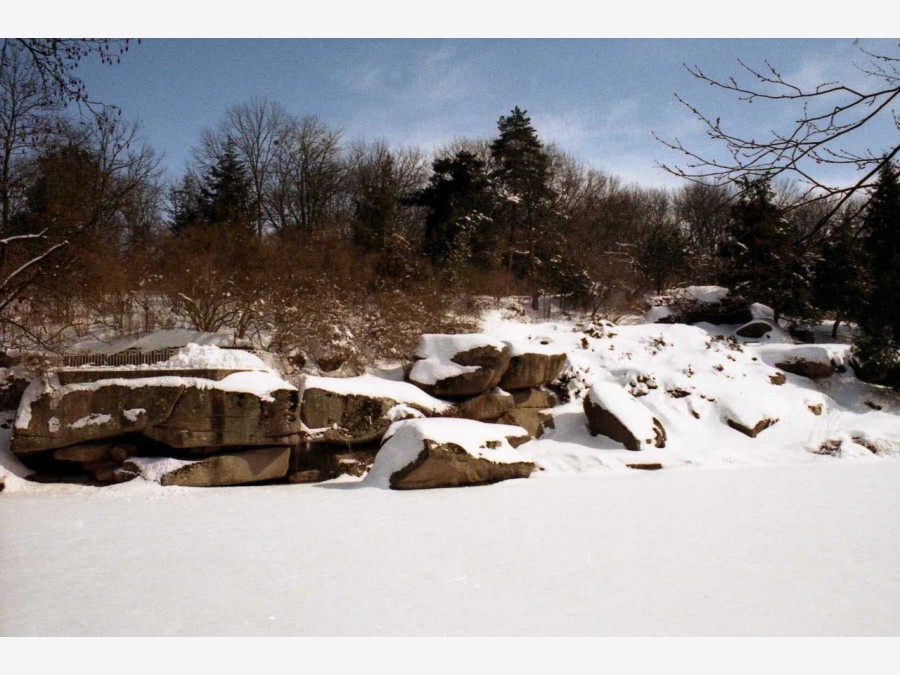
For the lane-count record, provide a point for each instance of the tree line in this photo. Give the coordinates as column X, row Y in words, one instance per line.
column 285, row 233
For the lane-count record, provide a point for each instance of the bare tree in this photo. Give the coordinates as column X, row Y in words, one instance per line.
column 309, row 177
column 825, row 133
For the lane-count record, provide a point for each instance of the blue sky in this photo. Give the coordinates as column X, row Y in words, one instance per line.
column 598, row 99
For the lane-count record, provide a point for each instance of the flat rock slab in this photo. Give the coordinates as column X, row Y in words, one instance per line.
column 487, row 406
column 84, row 375
column 531, row 366
column 358, row 410
column 245, row 408
column 240, row 468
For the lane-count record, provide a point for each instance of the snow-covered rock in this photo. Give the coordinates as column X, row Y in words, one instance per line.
column 245, row 408
column 459, row 365
column 447, row 453
column 360, row 409
column 754, row 329
column 812, row 361
column 532, row 363
column 238, row 468
column 613, row 412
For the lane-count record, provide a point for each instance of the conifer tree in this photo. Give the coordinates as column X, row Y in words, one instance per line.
column 459, row 202
column 879, row 320
column 839, row 275
column 226, row 194
column 522, row 177
column 760, row 257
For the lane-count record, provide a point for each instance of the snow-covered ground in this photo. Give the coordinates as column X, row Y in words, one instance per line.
column 792, row 532
column 772, row 550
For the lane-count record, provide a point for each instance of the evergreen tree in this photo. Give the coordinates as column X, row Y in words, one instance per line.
column 839, row 275
column 760, row 258
column 458, row 200
column 226, row 195
column 522, row 175
column 879, row 320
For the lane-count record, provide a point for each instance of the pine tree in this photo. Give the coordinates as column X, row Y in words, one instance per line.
column 879, row 320
column 459, row 202
column 839, row 275
column 760, row 257
column 522, row 176
column 226, row 196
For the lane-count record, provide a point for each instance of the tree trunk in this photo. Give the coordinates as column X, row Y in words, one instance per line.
column 834, row 328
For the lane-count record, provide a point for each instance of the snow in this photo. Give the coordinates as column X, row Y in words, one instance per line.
column 627, row 409
column 404, row 441
column 133, row 414
column 370, row 385
column 94, row 419
column 211, row 356
column 706, row 294
column 259, row 383
column 655, row 314
column 153, row 341
column 776, row 550
column 827, row 354
column 533, row 345
column 735, row 536
column 436, row 353
column 154, row 468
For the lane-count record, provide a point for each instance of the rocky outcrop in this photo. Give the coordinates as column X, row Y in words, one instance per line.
column 612, row 412
column 457, row 366
column 358, row 410
column 437, row 453
column 531, row 365
column 243, row 409
column 238, row 468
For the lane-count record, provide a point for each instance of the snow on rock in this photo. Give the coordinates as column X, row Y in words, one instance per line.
column 235, row 468
column 178, row 411
column 132, row 414
column 447, row 453
column 812, row 361
column 706, row 294
column 360, row 409
column 211, row 356
column 533, row 363
column 87, row 420
column 613, row 412
column 459, row 365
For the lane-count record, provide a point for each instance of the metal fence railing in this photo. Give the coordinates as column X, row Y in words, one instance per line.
column 126, row 358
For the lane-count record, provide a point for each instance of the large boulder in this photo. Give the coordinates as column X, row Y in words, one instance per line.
column 755, row 329
column 703, row 304
column 532, row 364
column 358, row 410
column 533, row 420
column 487, row 406
column 238, row 468
column 246, row 408
column 538, row 397
column 611, row 411
column 811, row 361
column 437, row 453
column 458, row 366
